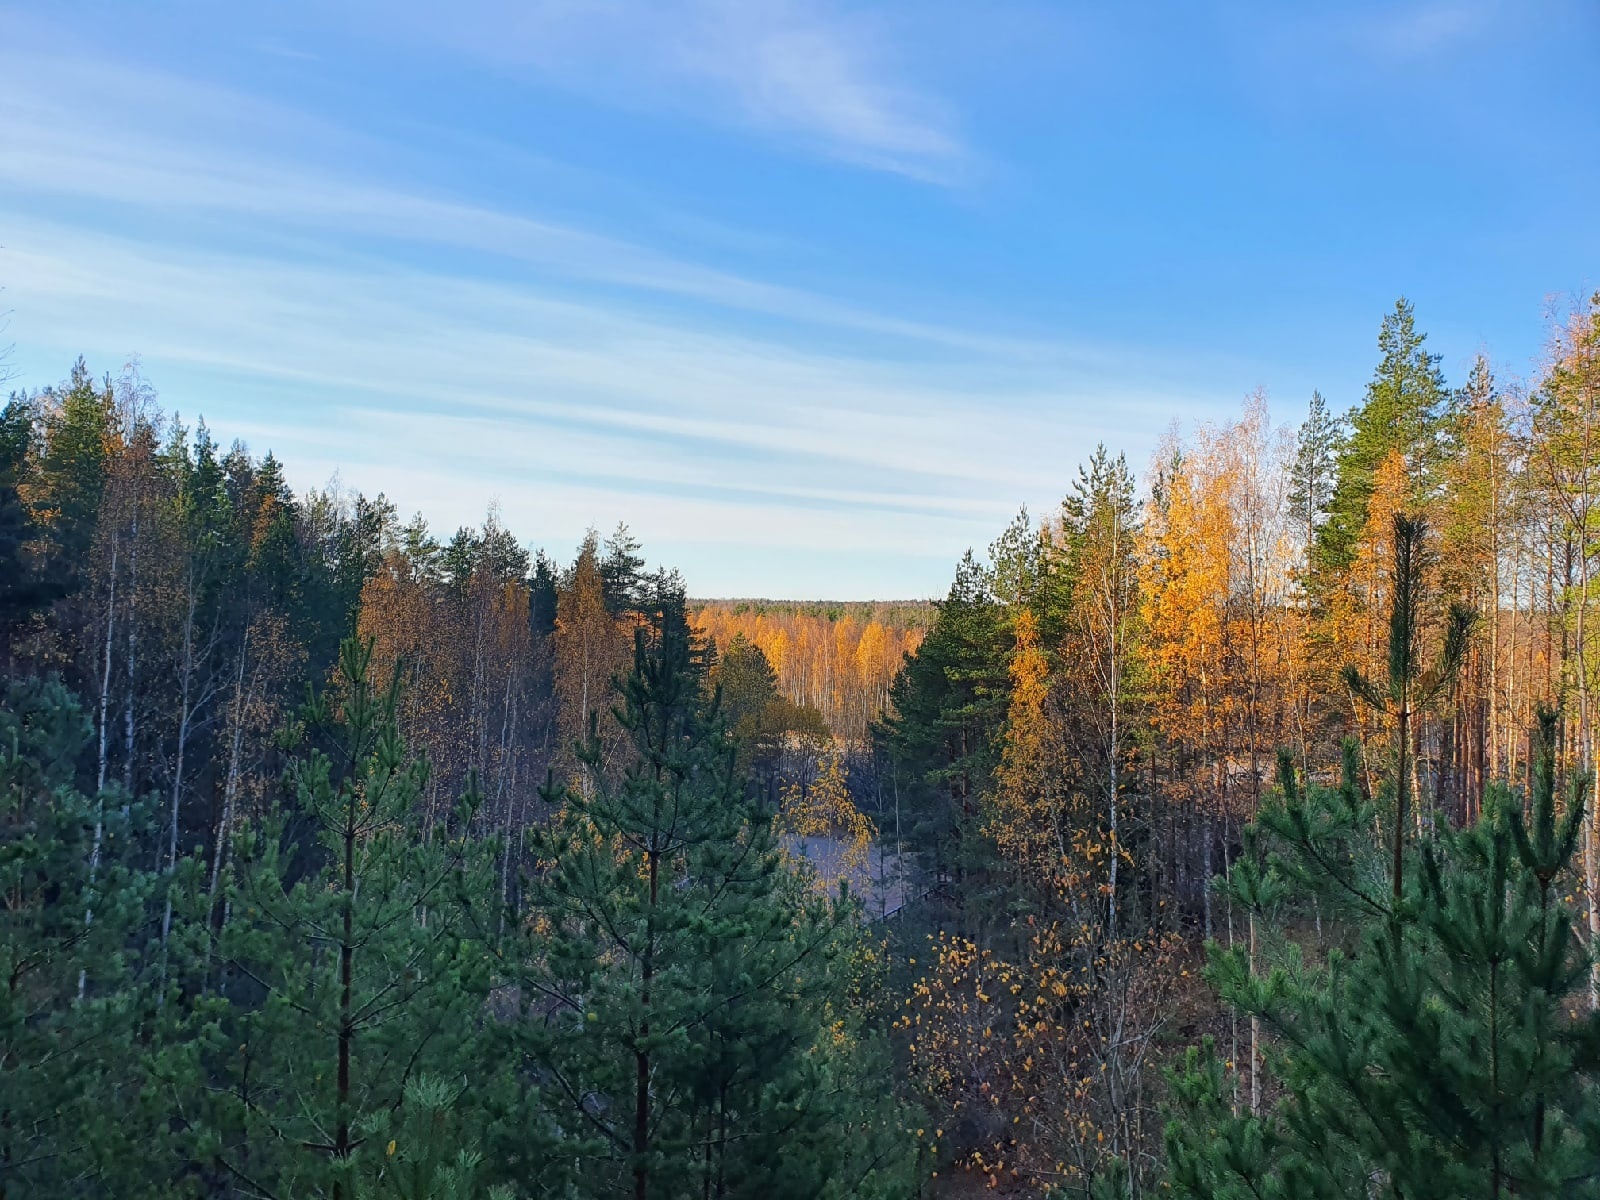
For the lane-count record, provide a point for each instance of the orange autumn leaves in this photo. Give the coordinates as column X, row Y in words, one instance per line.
column 840, row 659
column 1223, row 635
column 1037, row 1064
column 825, row 811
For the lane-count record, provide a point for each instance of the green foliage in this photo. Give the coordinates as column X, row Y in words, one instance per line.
column 1401, row 412
column 683, row 999
column 353, row 958
column 1101, row 509
column 424, row 1157
column 622, row 571
column 748, row 685
column 1438, row 1052
column 76, row 1099
column 24, row 583
column 1409, row 687
column 74, row 463
column 1312, row 474
column 280, row 973
column 761, row 719
column 948, row 708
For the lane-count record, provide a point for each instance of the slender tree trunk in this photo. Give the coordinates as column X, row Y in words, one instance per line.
column 1504, row 759
column 131, row 666
column 641, row 1054
column 341, row 1137
column 105, row 685
column 1116, row 784
column 508, row 734
column 1255, row 1035
column 1402, row 785
column 185, row 688
column 1586, row 745
column 230, row 791
column 100, row 773
column 1495, row 1123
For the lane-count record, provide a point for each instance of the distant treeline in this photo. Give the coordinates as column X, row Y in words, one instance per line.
column 839, row 658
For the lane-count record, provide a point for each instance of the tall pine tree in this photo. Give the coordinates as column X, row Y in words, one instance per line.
column 1456, row 1066
column 354, row 958
column 1312, row 474
column 1402, row 409
column 684, row 1006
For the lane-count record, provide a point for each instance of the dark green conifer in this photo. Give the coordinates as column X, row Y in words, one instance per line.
column 683, row 1006
column 1454, row 1062
column 80, row 1113
column 1409, row 687
column 1404, row 404
column 947, row 711
column 26, row 582
column 354, row 956
column 1312, row 474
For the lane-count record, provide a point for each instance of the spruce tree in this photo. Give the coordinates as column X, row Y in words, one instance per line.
column 1100, row 651
column 947, row 712
column 1312, row 474
column 622, row 571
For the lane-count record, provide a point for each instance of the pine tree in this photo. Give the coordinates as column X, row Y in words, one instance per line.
column 1401, row 412
column 430, row 1152
column 1410, row 687
column 1311, row 476
column 681, row 987
column 80, row 426
column 354, row 958
column 421, row 549
column 79, row 1114
column 1454, row 1067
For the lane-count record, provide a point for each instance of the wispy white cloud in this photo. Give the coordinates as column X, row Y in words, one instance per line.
column 446, row 392
column 55, row 143
column 420, row 338
column 578, row 376
column 799, row 68
column 819, row 79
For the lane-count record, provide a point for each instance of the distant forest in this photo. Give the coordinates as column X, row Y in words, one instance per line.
column 1222, row 833
column 838, row 658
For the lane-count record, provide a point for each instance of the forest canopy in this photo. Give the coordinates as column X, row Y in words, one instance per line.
column 1226, row 830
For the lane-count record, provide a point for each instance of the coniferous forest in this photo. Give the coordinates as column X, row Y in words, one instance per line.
column 1227, row 831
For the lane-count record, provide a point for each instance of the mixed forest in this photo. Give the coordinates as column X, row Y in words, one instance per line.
column 1228, row 831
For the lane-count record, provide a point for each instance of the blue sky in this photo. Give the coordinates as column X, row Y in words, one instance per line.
column 813, row 295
